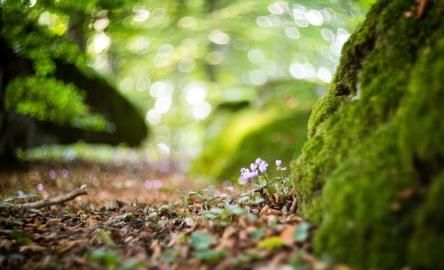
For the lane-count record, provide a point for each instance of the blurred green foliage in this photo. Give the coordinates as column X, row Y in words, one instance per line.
column 273, row 129
column 179, row 61
column 47, row 99
column 183, row 62
column 37, row 93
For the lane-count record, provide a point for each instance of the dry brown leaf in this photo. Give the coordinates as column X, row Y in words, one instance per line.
column 66, row 245
column 287, row 235
column 32, row 248
column 156, row 249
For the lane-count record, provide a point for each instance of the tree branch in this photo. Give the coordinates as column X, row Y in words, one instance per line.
column 49, row 201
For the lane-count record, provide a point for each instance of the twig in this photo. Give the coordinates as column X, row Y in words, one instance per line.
column 49, row 201
column 421, row 8
column 293, row 206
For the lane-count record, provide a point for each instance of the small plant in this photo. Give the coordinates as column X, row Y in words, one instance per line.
column 257, row 174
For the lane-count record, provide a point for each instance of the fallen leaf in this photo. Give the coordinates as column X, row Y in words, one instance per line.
column 209, row 255
column 271, row 243
column 287, row 235
column 66, row 246
column 302, row 232
column 104, row 237
column 32, row 248
column 201, row 240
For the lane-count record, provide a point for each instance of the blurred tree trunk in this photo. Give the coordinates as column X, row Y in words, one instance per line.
column 76, row 29
column 211, row 69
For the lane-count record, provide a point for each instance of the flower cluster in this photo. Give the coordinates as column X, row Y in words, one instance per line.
column 256, row 168
column 153, row 184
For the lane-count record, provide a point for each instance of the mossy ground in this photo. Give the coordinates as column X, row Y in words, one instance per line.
column 371, row 170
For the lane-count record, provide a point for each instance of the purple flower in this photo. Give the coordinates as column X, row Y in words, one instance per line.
column 263, row 167
column 247, row 175
column 40, row 187
column 253, row 166
column 53, row 174
column 243, row 180
column 259, row 161
column 157, row 184
column 253, row 174
column 65, row 173
column 153, row 184
column 261, row 164
column 244, row 171
column 278, row 163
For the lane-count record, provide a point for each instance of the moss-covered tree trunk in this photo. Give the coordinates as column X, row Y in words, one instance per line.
column 371, row 174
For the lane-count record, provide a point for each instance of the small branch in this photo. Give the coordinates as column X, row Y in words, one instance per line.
column 293, row 206
column 421, row 8
column 50, row 201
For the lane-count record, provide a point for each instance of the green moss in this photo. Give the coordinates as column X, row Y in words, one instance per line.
column 273, row 127
column 230, row 132
column 427, row 241
column 270, row 142
column 376, row 135
column 252, row 134
column 360, row 202
column 322, row 109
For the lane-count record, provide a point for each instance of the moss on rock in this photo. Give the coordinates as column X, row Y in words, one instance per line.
column 372, row 169
column 273, row 127
column 252, row 134
column 270, row 142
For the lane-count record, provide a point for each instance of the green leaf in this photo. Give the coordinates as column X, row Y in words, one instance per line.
column 128, row 216
column 258, row 233
column 169, row 255
column 104, row 257
column 296, row 262
column 105, row 237
column 235, row 210
column 130, row 264
column 201, row 240
column 21, row 237
column 211, row 256
column 214, row 213
column 302, row 232
column 271, row 243
column 245, row 260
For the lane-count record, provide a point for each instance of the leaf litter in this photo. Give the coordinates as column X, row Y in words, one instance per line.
column 122, row 225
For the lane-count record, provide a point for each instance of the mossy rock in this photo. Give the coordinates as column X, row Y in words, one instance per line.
column 372, row 168
column 273, row 127
column 225, row 135
column 275, row 140
column 248, row 135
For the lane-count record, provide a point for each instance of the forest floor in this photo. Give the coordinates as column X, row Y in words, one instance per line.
column 146, row 216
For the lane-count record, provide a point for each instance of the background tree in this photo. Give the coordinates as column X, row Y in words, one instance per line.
column 47, row 92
